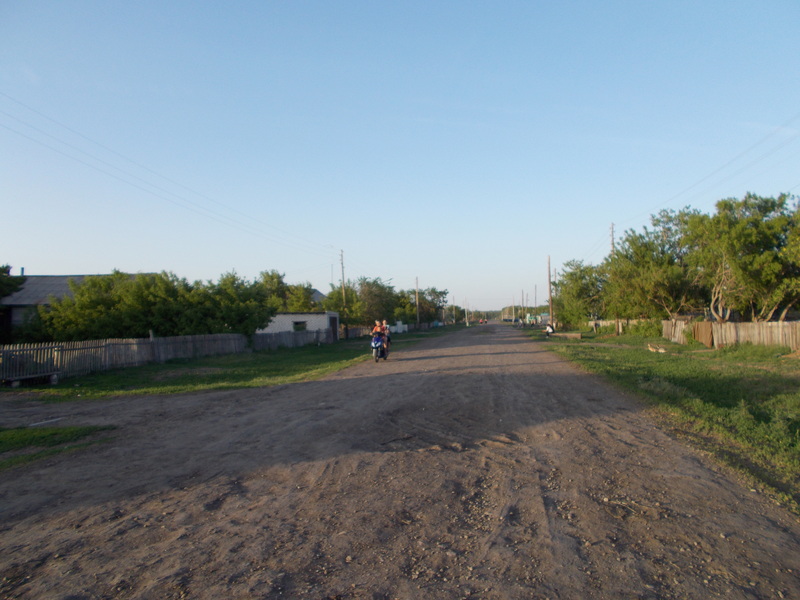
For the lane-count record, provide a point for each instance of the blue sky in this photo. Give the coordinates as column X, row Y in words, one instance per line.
column 455, row 143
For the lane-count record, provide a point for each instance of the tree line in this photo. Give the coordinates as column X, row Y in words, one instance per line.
column 123, row 305
column 741, row 262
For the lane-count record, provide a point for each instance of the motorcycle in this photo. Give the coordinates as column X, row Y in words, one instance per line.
column 379, row 350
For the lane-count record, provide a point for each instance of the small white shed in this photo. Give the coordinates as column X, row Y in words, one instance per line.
column 303, row 321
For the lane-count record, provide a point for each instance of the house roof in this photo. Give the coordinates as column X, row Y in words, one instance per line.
column 37, row 289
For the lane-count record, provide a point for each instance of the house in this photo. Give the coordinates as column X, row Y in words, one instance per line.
column 303, row 321
column 35, row 291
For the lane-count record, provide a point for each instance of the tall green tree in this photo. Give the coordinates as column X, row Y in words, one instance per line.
column 275, row 289
column 427, row 304
column 577, row 293
column 300, row 299
column 648, row 274
column 284, row 297
column 348, row 305
column 122, row 306
column 8, row 282
column 8, row 285
column 741, row 254
column 377, row 299
column 432, row 302
column 791, row 254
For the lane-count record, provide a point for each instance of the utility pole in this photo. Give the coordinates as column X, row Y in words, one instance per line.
column 344, row 298
column 416, row 299
column 550, row 292
column 612, row 240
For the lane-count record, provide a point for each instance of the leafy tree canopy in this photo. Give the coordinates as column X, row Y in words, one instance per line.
column 8, row 282
column 648, row 274
column 743, row 255
column 577, row 293
column 122, row 305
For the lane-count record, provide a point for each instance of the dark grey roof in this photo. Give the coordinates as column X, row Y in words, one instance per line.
column 37, row 289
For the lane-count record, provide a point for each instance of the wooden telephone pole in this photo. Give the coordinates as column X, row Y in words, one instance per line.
column 416, row 299
column 344, row 298
column 550, row 292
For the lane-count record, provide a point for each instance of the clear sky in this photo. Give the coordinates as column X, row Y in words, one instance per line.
column 458, row 143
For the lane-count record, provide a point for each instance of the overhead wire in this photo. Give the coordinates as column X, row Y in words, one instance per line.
column 197, row 209
column 728, row 163
column 285, row 238
column 790, row 139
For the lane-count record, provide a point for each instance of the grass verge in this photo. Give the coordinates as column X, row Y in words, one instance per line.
column 741, row 404
column 22, row 445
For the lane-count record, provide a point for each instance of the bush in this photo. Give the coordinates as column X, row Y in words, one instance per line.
column 649, row 328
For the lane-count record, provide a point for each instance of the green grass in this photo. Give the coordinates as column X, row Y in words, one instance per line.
column 25, row 444
column 741, row 403
column 234, row 371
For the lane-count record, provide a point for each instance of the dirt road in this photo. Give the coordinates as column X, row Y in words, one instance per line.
column 474, row 465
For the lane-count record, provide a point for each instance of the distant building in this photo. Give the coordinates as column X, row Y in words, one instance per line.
column 303, row 321
column 36, row 291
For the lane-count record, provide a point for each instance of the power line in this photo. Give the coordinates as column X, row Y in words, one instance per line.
column 188, row 205
column 794, row 136
column 289, row 239
column 732, row 161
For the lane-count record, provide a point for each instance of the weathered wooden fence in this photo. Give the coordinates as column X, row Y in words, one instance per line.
column 718, row 335
column 354, row 331
column 291, row 339
column 67, row 359
column 674, row 331
column 761, row 334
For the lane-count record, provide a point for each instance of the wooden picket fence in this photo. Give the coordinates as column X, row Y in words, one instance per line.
column 719, row 335
column 785, row 333
column 68, row 359
column 291, row 339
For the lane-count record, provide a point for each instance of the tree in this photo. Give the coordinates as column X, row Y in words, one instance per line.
column 742, row 254
column 377, row 299
column 427, row 304
column 8, row 282
column 8, row 285
column 791, row 254
column 405, row 309
column 285, row 297
column 348, row 307
column 648, row 274
column 432, row 302
column 122, row 305
column 577, row 293
column 299, row 298
column 275, row 289
column 240, row 306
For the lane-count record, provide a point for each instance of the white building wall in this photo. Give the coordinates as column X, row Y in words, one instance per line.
column 285, row 321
